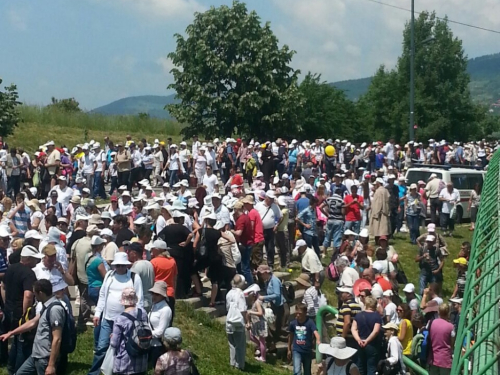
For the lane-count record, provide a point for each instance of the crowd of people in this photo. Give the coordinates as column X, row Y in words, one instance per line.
column 231, row 213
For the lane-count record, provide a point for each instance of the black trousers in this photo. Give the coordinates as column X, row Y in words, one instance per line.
column 269, row 243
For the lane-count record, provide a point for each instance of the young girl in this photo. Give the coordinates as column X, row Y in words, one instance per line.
column 257, row 325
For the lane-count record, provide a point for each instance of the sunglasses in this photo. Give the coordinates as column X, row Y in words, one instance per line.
column 399, row 310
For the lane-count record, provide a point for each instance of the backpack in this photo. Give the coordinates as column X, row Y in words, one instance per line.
column 68, row 341
column 27, row 316
column 288, row 292
column 332, row 272
column 138, row 341
column 347, row 367
column 426, row 345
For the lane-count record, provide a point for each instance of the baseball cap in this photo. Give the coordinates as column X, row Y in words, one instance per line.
column 462, row 261
column 30, row 251
column 409, row 288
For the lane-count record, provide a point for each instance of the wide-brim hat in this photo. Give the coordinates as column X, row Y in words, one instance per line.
column 337, row 349
column 160, row 287
column 304, row 280
column 121, row 258
column 129, row 297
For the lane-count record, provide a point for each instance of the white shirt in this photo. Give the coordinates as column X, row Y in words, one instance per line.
column 395, row 353
column 61, row 255
column 210, row 182
column 174, row 162
column 311, row 262
column 158, row 159
column 99, row 159
column 160, row 318
column 391, row 311
column 136, row 158
column 64, row 196
column 111, row 294
column 87, row 163
column 196, row 146
column 348, row 277
column 160, row 224
column 184, row 155
column 53, row 275
column 201, row 163
column 223, row 216
column 454, row 198
column 270, row 218
column 389, row 151
column 236, row 296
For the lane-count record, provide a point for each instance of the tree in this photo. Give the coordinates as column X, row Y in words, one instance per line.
column 65, row 105
column 9, row 116
column 231, row 76
column 326, row 110
column 443, row 105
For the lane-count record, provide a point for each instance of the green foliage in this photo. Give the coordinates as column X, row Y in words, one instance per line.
column 232, row 77
column 443, row 105
column 9, row 115
column 143, row 116
column 65, row 105
column 326, row 110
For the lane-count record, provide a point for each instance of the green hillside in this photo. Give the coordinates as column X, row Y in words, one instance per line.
column 484, row 86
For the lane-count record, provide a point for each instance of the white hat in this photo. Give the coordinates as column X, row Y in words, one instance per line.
column 159, row 244
column 193, row 203
column 177, row 213
column 431, row 227
column 86, row 190
column 185, row 183
column 125, row 210
column 337, row 349
column 211, row 216
column 144, row 182
column 96, row 240
column 50, row 143
column 270, row 194
column 29, row 234
column 4, row 232
column 349, row 232
column 281, row 201
column 120, row 259
column 364, row 232
column 123, row 187
column 380, row 180
column 456, row 300
column 59, row 285
column 30, row 251
column 166, row 185
column 153, row 206
column 183, row 143
column 300, row 243
column 388, row 293
column 345, row 289
column 140, row 221
column 401, row 178
column 106, row 232
column 259, row 174
column 82, row 217
column 409, row 288
column 126, row 193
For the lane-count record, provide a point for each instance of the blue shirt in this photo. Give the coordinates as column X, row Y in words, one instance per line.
column 334, row 187
column 21, row 220
column 379, row 161
column 308, row 216
column 292, row 156
column 230, row 151
column 273, row 290
column 302, row 204
column 402, row 193
column 302, row 335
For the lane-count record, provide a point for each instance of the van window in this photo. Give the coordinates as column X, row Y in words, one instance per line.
column 467, row 181
column 413, row 177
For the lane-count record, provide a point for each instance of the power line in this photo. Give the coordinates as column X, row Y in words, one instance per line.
column 440, row 18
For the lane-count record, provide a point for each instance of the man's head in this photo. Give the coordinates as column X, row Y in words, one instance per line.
column 121, row 263
column 159, row 247
column 301, row 312
column 368, row 274
column 313, row 202
column 42, row 289
column 269, row 199
column 50, row 258
column 409, row 291
column 342, row 263
column 301, row 246
column 345, row 293
column 30, row 256
column 135, row 252
column 449, row 187
column 209, row 170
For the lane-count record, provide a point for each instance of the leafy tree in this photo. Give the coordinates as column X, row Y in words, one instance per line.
column 65, row 105
column 143, row 116
column 9, row 116
column 326, row 110
column 443, row 105
column 231, row 76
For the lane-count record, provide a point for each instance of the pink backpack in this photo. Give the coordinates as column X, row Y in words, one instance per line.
column 332, row 272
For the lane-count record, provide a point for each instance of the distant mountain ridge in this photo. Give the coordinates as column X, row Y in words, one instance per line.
column 485, row 88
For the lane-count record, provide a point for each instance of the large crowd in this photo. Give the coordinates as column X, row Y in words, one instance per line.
column 231, row 213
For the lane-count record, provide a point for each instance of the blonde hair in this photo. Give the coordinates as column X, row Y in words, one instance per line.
column 370, row 303
column 444, row 310
column 7, row 204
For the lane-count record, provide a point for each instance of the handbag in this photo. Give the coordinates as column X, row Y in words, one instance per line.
column 401, row 275
column 107, row 364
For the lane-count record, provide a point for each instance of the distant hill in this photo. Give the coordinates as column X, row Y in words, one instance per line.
column 484, row 86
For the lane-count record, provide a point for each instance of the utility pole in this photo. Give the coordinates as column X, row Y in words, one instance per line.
column 412, row 73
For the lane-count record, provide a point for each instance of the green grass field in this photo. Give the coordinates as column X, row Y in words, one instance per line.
column 40, row 124
column 206, row 338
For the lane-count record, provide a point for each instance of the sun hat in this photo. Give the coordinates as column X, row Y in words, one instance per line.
column 263, row 268
column 96, row 240
column 345, row 289
column 75, row 199
column 59, row 285
column 388, row 293
column 359, row 285
column 193, row 203
column 92, row 229
column 140, row 221
column 120, row 258
column 106, row 232
column 456, row 300
column 31, row 251
column 349, row 232
column 86, row 190
column 29, row 234
column 364, row 233
column 304, row 280
column 281, row 201
column 54, row 235
column 211, row 216
column 160, row 287
column 270, row 194
column 379, row 180
column 462, row 261
column 4, row 232
column 391, row 325
column 49, row 250
column 409, row 288
column 413, row 186
column 337, row 348
column 96, row 219
column 431, row 227
column 126, row 210
column 178, row 205
column 252, row 289
column 432, row 306
column 126, row 193
column 248, row 200
column 172, row 335
column 129, row 297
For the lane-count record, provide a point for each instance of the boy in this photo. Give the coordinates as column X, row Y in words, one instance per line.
column 300, row 340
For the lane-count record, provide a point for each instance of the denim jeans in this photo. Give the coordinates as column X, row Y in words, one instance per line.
column 246, row 252
column 33, row 366
column 446, row 222
column 105, row 331
column 414, row 227
column 98, row 190
column 353, row 225
column 312, row 242
column 334, row 231
column 368, row 358
column 427, row 277
column 19, row 352
column 173, row 178
column 301, row 360
column 291, row 168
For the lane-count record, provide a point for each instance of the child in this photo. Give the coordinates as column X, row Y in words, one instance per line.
column 300, row 340
column 257, row 325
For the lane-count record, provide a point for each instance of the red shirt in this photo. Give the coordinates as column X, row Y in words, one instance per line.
column 165, row 270
column 243, row 224
column 353, row 212
column 258, row 230
column 384, row 283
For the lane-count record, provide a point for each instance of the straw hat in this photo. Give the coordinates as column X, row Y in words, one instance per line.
column 304, row 280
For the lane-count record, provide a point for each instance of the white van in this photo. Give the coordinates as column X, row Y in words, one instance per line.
column 463, row 179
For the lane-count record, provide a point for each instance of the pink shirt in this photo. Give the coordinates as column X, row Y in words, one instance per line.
column 441, row 334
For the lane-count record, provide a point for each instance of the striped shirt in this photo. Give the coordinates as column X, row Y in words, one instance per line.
column 351, row 308
column 311, row 300
column 21, row 220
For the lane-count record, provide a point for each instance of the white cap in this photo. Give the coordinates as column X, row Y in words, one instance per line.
column 159, row 244
column 96, row 240
column 431, row 227
column 409, row 288
column 379, row 180
column 30, row 234
column 4, row 232
column 300, row 243
column 106, row 232
column 126, row 193
column 388, row 293
column 259, row 174
column 140, row 221
column 30, row 251
column 270, row 194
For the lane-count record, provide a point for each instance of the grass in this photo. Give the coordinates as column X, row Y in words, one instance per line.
column 206, row 337
column 40, row 124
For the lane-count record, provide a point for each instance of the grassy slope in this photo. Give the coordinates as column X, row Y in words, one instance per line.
column 40, row 125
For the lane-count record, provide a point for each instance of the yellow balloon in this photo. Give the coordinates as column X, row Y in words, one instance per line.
column 330, row 151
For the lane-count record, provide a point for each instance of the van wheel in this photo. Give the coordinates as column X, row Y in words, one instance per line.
column 460, row 214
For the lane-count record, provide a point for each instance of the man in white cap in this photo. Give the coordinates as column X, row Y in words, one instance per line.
column 53, row 161
column 270, row 215
column 432, row 190
column 86, row 165
column 109, row 306
column 210, row 181
column 310, row 262
column 412, row 299
column 440, row 240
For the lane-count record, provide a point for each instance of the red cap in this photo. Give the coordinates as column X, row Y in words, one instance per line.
column 384, row 237
column 368, row 176
column 114, row 198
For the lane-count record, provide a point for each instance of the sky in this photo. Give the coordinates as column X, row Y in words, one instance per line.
column 98, row 51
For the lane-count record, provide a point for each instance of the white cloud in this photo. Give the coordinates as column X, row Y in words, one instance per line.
column 162, row 9
column 347, row 39
column 18, row 19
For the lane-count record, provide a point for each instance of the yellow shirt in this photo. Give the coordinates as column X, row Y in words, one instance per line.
column 406, row 343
